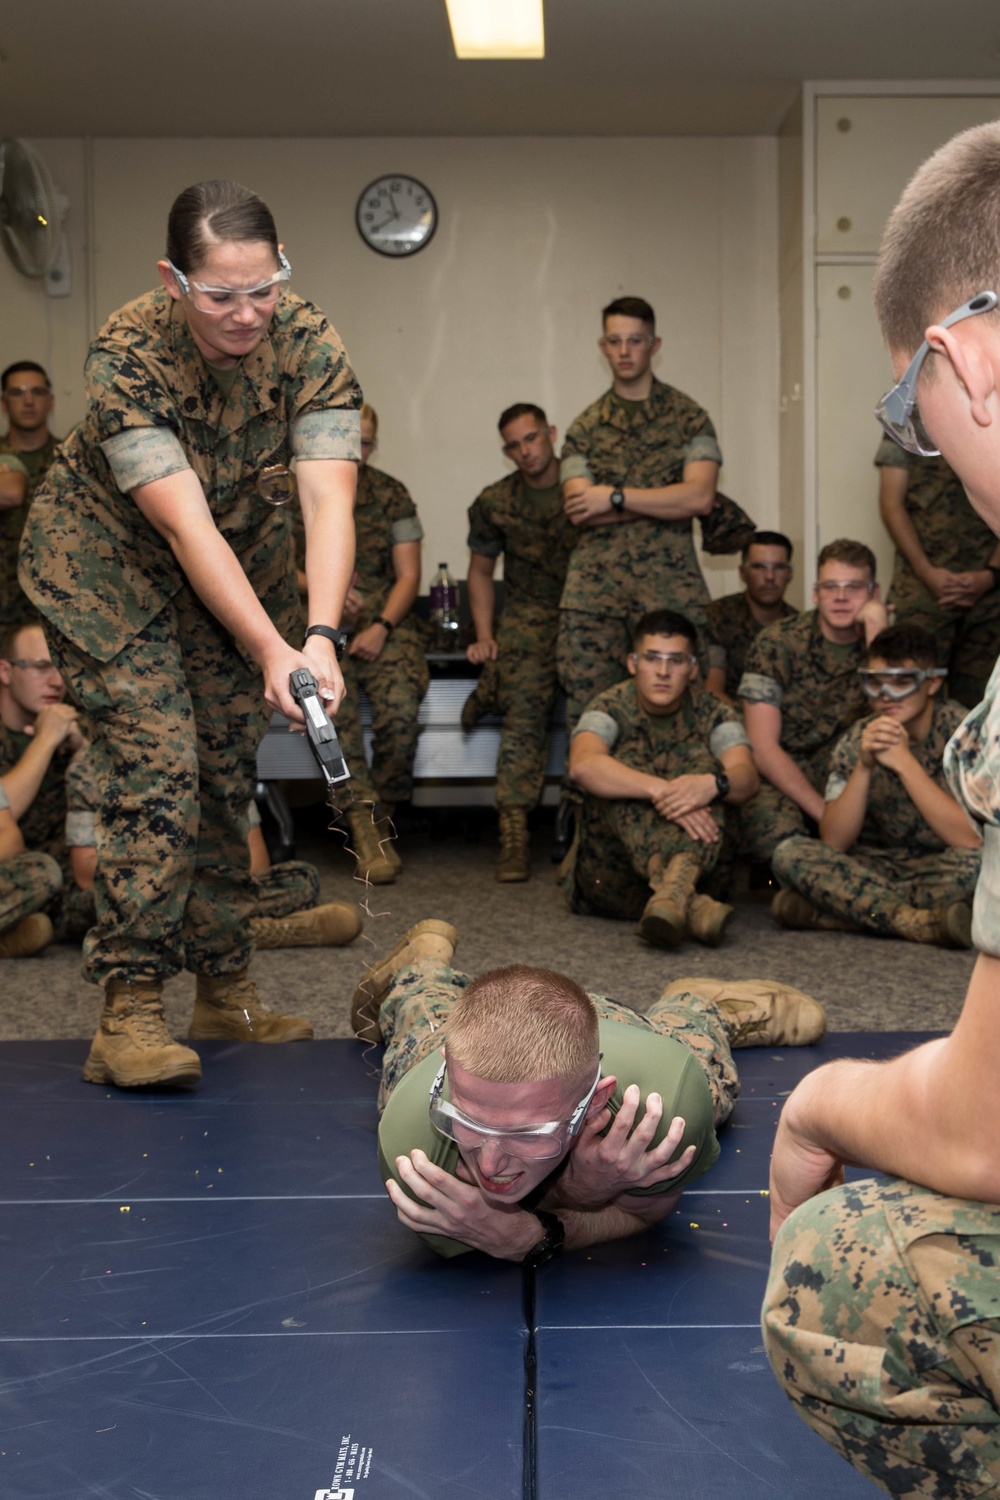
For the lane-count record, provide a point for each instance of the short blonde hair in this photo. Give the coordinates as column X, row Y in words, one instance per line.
column 854, row 554
column 942, row 242
column 521, row 1025
column 369, row 414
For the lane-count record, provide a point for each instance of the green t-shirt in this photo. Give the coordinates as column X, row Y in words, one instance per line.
column 225, row 378
column 634, row 1053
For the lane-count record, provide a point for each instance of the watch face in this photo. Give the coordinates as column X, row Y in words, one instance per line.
column 396, row 215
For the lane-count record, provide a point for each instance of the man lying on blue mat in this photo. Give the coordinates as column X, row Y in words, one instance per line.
column 522, row 1116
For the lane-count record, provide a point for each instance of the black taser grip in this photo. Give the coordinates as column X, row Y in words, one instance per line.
column 321, row 734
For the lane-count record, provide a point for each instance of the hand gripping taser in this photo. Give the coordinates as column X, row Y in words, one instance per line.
column 320, row 732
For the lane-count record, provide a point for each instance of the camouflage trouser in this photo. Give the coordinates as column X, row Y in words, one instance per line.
column 73, row 912
column 591, row 649
column 620, row 846
column 868, row 886
column 968, row 641
column 28, row 883
column 394, row 686
column 413, row 1013
column 177, row 717
column 770, row 816
column 286, row 888
column 526, row 686
column 882, row 1322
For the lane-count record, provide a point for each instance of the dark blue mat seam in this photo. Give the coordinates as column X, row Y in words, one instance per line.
column 529, row 1463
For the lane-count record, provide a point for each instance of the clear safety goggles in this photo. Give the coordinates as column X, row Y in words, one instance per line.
column 530, row 1142
column 666, row 658
column 223, row 299
column 896, row 683
column 897, row 410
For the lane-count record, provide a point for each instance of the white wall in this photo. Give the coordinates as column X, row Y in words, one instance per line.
column 534, row 236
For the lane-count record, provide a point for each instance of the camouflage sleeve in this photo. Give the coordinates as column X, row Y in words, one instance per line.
column 573, row 459
column 727, row 735
column 141, row 454
column 254, row 821
column 592, row 721
column 715, row 655
column 755, row 687
column 890, row 455
column 407, row 529
column 485, row 537
column 325, row 398
column 703, row 445
column 81, row 829
column 843, row 759
column 327, row 434
column 4, row 799
column 765, row 676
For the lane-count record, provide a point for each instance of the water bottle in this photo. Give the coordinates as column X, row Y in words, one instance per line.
column 444, row 610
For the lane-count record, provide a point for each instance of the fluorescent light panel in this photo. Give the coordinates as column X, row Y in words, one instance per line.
column 497, row 28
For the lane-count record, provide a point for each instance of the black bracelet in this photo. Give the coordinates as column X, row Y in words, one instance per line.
column 338, row 637
column 386, row 625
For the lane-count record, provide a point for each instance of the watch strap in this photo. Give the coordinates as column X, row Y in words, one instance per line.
column 385, row 624
column 618, row 499
column 338, row 637
column 552, row 1240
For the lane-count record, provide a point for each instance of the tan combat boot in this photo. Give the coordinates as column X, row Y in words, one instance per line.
column 758, row 1012
column 707, row 919
column 132, row 1045
column 370, row 848
column 27, row 937
column 793, row 911
column 227, row 1008
column 429, row 939
column 664, row 920
column 947, row 926
column 329, row 926
column 515, row 844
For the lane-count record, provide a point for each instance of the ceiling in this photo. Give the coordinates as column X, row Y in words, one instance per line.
column 386, row 67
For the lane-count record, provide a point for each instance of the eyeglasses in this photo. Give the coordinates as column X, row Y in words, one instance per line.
column 897, row 410
column 668, row 658
column 631, row 341
column 896, row 683
column 831, row 586
column 530, row 1142
column 27, row 390
column 31, row 666
column 223, row 299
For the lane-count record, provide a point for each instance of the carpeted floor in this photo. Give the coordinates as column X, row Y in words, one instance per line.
column 865, row 983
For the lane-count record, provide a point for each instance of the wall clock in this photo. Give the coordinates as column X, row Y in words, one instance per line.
column 396, row 215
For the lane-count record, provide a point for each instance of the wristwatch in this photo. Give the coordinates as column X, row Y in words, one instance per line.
column 551, row 1242
column 338, row 637
column 386, row 625
column 721, row 786
column 618, row 499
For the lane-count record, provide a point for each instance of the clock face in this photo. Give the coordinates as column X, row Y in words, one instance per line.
column 396, row 215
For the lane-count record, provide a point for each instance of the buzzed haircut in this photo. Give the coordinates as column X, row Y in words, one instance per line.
column 369, row 414
column 942, row 242
column 630, row 307
column 854, row 554
column 768, row 539
column 900, row 643
column 8, row 641
column 24, row 364
column 665, row 622
column 522, row 409
column 519, row 1024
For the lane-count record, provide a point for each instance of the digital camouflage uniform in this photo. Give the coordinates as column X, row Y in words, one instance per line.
column 882, row 1312
column 279, row 891
column 530, row 528
column 619, row 572
column 42, row 828
column 394, row 684
column 732, row 629
column 623, row 842
column 898, row 859
column 28, row 882
column 954, row 537
column 176, row 707
column 815, row 684
column 15, row 607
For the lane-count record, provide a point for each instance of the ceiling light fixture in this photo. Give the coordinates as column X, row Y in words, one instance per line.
column 497, row 28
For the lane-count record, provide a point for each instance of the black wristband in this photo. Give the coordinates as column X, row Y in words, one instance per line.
column 385, row 624
column 338, row 637
column 996, row 577
column 552, row 1240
